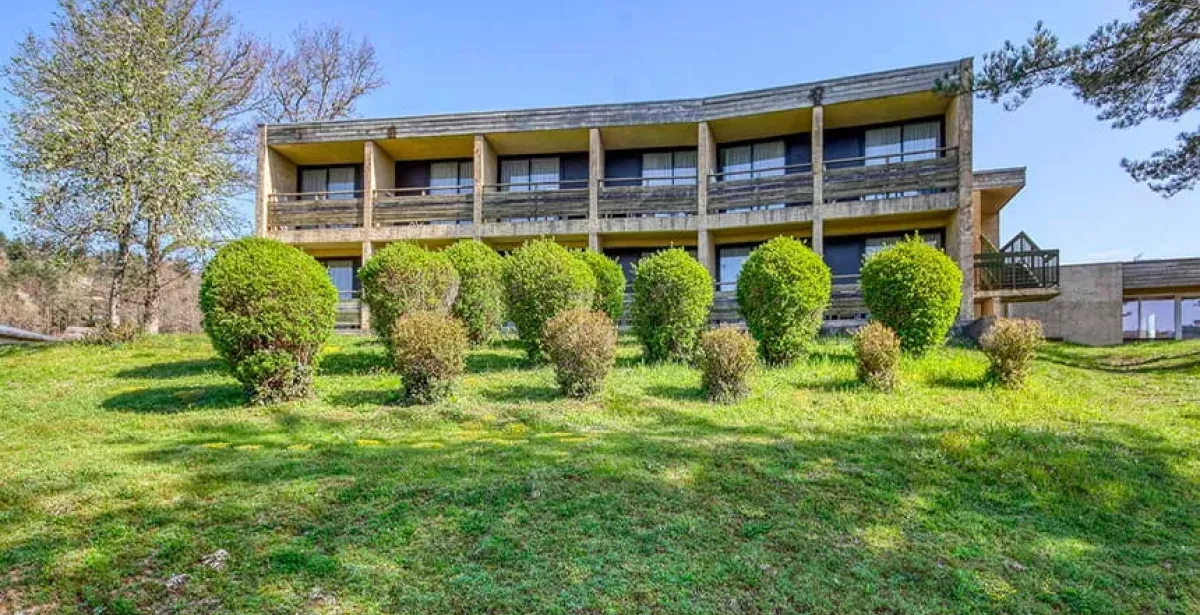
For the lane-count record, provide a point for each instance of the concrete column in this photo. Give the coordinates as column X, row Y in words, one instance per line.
column 484, row 167
column 964, row 218
column 818, row 176
column 263, row 189
column 706, row 164
column 1178, row 317
column 595, row 175
column 369, row 186
column 364, row 312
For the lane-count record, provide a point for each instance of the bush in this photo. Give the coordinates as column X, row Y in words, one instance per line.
column 726, row 357
column 268, row 309
column 480, row 302
column 782, row 292
column 1011, row 346
column 582, row 345
column 610, row 283
column 672, row 295
column 914, row 289
column 542, row 280
column 428, row 350
column 403, row 278
column 107, row 334
column 877, row 354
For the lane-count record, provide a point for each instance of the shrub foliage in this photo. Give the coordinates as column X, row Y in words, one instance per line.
column 726, row 356
column 877, row 354
column 428, row 350
column 610, row 283
column 542, row 280
column 582, row 345
column 914, row 289
column 1011, row 346
column 480, row 301
column 268, row 309
column 403, row 278
column 782, row 292
column 672, row 296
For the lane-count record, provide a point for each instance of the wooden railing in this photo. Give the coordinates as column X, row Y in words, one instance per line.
column 781, row 186
column 845, row 305
column 535, row 201
column 891, row 175
column 349, row 310
column 1017, row 270
column 633, row 197
column 315, row 210
column 425, row 205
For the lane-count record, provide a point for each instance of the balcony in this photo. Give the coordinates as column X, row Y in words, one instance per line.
column 891, row 175
column 773, row 188
column 637, row 197
column 1020, row 271
column 427, row 205
column 535, row 201
column 349, row 310
column 315, row 210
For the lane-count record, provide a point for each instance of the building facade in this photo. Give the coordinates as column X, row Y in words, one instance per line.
column 847, row 165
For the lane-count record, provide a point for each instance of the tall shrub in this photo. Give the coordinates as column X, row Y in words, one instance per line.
column 726, row 357
column 268, row 308
column 542, row 280
column 610, row 283
column 582, row 345
column 672, row 296
column 1011, row 346
column 877, row 356
column 782, row 292
column 915, row 290
column 428, row 350
column 403, row 278
column 480, row 302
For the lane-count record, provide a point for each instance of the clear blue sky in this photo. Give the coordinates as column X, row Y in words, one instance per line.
column 462, row 56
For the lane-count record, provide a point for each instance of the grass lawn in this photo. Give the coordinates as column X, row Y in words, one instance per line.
column 123, row 468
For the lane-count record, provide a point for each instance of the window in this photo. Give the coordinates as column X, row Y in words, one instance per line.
column 529, row 174
column 669, row 168
column 905, row 143
column 1190, row 321
column 730, row 260
column 765, row 159
column 451, row 177
column 1149, row 319
column 876, row 244
column 342, row 274
column 334, row 183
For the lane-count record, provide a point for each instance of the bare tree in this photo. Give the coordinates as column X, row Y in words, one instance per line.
column 320, row 77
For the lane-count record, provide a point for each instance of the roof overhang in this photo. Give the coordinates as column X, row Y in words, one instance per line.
column 998, row 186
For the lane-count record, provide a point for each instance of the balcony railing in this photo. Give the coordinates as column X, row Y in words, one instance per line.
column 773, row 188
column 349, row 310
column 315, row 210
column 891, row 175
column 425, row 205
column 638, row 197
column 535, row 201
column 1032, row 269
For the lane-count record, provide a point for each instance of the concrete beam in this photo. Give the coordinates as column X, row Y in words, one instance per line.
column 962, row 110
column 706, row 165
column 484, row 171
column 595, row 174
column 818, row 172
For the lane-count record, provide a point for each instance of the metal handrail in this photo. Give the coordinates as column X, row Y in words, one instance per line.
column 424, row 191
column 671, row 178
column 276, row 197
column 752, row 173
column 887, row 158
column 558, row 182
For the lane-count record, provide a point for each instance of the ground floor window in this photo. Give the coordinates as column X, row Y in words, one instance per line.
column 628, row 257
column 1161, row 318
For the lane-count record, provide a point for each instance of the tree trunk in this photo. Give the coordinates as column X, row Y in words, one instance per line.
column 152, row 302
column 120, row 265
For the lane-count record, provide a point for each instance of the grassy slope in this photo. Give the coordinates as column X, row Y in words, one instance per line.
column 123, row 467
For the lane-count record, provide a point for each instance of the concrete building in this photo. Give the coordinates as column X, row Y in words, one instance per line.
column 848, row 165
column 1108, row 303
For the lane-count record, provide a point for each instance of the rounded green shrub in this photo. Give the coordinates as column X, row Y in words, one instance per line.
column 672, row 296
column 915, row 290
column 1011, row 346
column 877, row 356
column 782, row 292
column 268, row 309
column 480, row 302
column 542, row 280
column 428, row 350
column 403, row 278
column 582, row 345
column 610, row 283
column 726, row 357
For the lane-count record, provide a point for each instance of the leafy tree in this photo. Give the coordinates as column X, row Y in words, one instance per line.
column 1132, row 71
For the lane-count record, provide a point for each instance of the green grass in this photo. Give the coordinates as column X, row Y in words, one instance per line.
column 120, row 468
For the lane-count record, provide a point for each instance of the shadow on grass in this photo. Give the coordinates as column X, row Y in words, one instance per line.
column 175, row 369
column 485, row 360
column 359, row 361
column 171, row 400
column 676, row 392
column 386, row 397
column 1168, row 358
column 835, row 385
column 516, row 393
column 954, row 381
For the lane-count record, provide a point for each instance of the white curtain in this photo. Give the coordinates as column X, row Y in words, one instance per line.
column 921, row 138
column 514, row 172
column 443, row 178
column 735, row 163
column 314, row 180
column 657, row 169
column 768, row 159
column 341, row 273
column 543, row 170
column 341, row 183
column 466, row 176
column 883, row 145
column 685, row 168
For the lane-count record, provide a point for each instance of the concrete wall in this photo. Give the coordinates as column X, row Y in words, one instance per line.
column 1088, row 310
